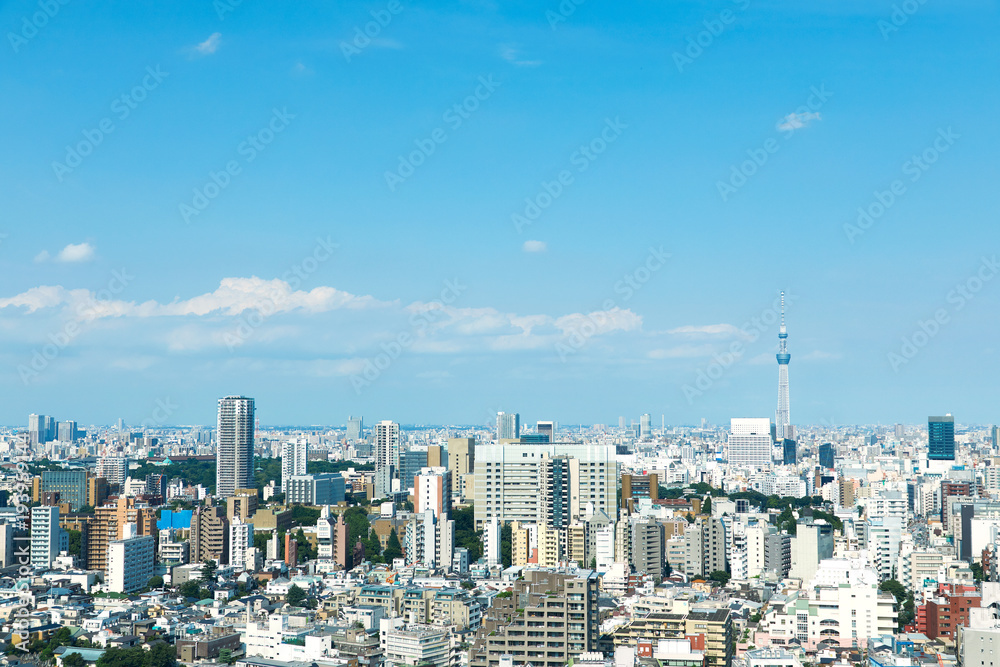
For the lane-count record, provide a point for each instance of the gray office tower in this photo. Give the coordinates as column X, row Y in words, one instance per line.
column 508, row 426
column 355, row 427
column 234, row 453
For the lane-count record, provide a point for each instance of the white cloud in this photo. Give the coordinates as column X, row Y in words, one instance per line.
column 299, row 69
column 384, row 43
column 209, row 46
column 512, row 54
column 797, row 121
column 682, row 352
column 701, row 331
column 76, row 252
column 819, row 355
column 534, row 246
column 43, row 256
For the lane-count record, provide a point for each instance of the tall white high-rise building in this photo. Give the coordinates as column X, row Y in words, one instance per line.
column 750, row 443
column 508, row 426
column 491, row 541
column 386, row 444
column 294, row 454
column 46, row 536
column 432, row 491
column 240, row 542
column 234, row 455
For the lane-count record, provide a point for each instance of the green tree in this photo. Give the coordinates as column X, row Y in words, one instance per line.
column 892, row 586
column 226, row 656
column 706, row 507
column 306, row 550
column 393, row 549
column 156, row 581
column 208, row 571
column 977, row 571
column 468, row 585
column 506, row 545
column 295, row 596
column 593, row 563
column 190, row 589
column 75, row 542
column 73, row 660
column 721, row 576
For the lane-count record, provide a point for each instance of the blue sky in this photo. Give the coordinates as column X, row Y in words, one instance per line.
column 139, row 301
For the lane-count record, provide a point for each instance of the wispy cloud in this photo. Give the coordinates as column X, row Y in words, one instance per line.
column 512, row 54
column 797, row 121
column 209, row 46
column 534, row 246
column 71, row 254
column 76, row 252
column 701, row 331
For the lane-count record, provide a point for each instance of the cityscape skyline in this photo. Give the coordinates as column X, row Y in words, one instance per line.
column 813, row 161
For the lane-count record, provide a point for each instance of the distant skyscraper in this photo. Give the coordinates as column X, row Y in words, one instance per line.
column 995, row 435
column 294, row 454
column 941, row 438
column 899, row 431
column 826, row 455
column 621, row 422
column 788, row 452
column 41, row 429
column 546, row 428
column 386, row 444
column 508, row 426
column 750, row 443
column 234, row 455
column 781, row 416
column 645, row 427
column 355, row 426
column 66, row 431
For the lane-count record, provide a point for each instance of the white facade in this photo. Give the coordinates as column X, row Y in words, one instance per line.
column 386, row 444
column 750, row 443
column 491, row 540
column 113, row 469
column 510, row 481
column 234, row 450
column 130, row 563
column 432, row 491
column 45, row 535
column 294, row 455
column 240, row 543
column 418, row 645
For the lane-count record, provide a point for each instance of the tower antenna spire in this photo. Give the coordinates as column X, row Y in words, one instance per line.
column 781, row 416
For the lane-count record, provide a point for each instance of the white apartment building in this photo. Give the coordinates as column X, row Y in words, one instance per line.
column 265, row 637
column 130, row 561
column 418, row 645
column 432, row 491
column 491, row 542
column 294, row 457
column 47, row 538
column 513, row 481
column 825, row 615
column 386, row 444
column 240, row 543
column 113, row 469
column 750, row 443
column 430, row 541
